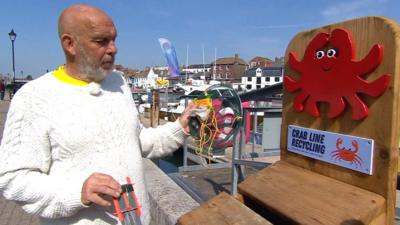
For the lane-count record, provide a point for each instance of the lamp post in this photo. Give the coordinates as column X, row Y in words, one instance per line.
column 13, row 36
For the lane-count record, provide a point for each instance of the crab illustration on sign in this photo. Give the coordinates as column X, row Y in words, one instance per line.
column 330, row 73
column 341, row 153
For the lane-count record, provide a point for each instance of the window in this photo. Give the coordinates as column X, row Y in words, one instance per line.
column 249, row 79
column 258, row 80
column 277, row 79
column 268, row 79
column 258, row 86
column 248, row 86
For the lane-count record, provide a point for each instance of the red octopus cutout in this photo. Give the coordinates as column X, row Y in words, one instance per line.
column 330, row 73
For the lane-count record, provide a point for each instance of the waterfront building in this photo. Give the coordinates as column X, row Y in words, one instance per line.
column 257, row 77
column 260, row 62
column 139, row 80
column 196, row 68
column 229, row 69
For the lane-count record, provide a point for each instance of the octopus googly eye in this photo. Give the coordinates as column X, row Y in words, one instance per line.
column 331, row 53
column 319, row 54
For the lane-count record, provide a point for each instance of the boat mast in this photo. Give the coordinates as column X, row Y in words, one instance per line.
column 215, row 63
column 187, row 62
column 204, row 66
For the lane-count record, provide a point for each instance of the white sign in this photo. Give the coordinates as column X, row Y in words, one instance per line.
column 347, row 151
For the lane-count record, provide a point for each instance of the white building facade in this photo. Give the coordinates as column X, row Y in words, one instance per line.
column 197, row 68
column 256, row 78
column 145, row 79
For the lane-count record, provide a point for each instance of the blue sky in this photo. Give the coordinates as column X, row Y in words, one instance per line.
column 249, row 28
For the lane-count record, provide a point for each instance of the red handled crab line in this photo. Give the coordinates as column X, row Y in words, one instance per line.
column 330, row 73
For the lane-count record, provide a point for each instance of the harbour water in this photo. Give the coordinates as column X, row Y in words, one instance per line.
column 171, row 163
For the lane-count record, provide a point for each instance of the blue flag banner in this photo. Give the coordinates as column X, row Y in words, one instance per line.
column 170, row 55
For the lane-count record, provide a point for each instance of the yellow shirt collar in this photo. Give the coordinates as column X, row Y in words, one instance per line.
column 61, row 75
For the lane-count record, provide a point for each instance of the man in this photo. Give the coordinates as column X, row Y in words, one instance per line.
column 2, row 89
column 72, row 136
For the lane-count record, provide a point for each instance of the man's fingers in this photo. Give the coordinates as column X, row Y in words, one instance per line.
column 106, row 180
column 185, row 116
column 191, row 107
column 101, row 189
column 96, row 199
column 99, row 184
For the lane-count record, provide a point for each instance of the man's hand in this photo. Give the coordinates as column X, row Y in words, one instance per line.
column 185, row 116
column 99, row 184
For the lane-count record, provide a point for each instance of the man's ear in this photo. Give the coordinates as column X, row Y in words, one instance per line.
column 68, row 44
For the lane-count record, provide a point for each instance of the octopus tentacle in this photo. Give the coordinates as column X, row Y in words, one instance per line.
column 311, row 107
column 336, row 107
column 374, row 88
column 360, row 109
column 344, row 42
column 294, row 62
column 291, row 84
column 371, row 61
column 316, row 43
column 298, row 101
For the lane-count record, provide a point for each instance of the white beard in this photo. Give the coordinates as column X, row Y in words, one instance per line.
column 89, row 70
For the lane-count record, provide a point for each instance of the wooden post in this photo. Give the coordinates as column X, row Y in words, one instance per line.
column 155, row 108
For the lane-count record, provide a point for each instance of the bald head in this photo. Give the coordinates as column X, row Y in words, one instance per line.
column 78, row 18
column 87, row 35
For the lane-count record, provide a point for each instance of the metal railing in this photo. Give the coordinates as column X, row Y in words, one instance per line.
column 239, row 161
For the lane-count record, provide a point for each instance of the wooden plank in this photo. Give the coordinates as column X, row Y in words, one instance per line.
column 382, row 124
column 223, row 209
column 239, row 198
column 310, row 198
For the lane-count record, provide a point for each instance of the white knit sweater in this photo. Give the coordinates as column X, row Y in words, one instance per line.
column 57, row 134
